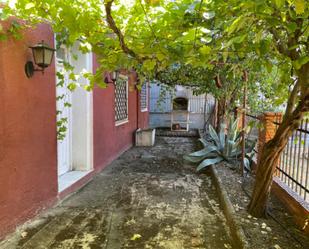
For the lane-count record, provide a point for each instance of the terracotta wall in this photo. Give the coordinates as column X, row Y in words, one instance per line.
column 268, row 129
column 111, row 140
column 28, row 144
column 28, row 159
column 143, row 117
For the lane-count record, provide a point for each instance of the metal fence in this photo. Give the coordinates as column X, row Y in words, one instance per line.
column 293, row 165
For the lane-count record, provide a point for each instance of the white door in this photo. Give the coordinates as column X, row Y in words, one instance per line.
column 64, row 146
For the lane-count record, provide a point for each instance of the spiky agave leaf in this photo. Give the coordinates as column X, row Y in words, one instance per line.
column 233, row 130
column 208, row 162
column 247, row 164
column 222, row 135
column 198, row 156
column 214, row 136
column 204, row 142
column 194, row 159
column 197, row 159
column 230, row 145
column 204, row 151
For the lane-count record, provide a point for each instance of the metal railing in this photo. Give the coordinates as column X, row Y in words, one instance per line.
column 293, row 165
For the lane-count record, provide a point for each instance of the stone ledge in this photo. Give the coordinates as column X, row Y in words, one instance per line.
column 236, row 231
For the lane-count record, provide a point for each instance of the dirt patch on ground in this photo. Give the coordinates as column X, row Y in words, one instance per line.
column 147, row 198
column 276, row 232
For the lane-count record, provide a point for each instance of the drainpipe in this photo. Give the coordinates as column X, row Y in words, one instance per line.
column 137, row 109
column 137, row 103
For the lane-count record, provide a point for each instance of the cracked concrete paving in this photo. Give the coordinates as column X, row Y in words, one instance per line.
column 147, row 198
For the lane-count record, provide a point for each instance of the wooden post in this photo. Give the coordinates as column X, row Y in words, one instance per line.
column 215, row 114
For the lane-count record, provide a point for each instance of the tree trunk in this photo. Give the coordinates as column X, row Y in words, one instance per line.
column 270, row 156
column 220, row 113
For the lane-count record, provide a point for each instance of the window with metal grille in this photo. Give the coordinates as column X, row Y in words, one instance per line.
column 121, row 99
column 143, row 97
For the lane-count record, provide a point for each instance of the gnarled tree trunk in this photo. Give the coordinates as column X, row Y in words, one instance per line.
column 221, row 111
column 273, row 148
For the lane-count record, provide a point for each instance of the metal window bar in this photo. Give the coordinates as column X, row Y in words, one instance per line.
column 143, row 96
column 121, row 100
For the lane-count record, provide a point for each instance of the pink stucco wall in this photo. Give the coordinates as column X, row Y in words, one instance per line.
column 28, row 159
column 111, row 140
column 28, row 143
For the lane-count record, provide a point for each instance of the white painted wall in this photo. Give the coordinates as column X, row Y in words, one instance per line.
column 160, row 110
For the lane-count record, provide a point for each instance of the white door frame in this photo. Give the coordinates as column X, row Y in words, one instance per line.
column 88, row 127
column 82, row 145
column 89, row 103
column 66, row 143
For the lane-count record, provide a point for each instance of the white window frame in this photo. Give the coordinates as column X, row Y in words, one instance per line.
column 126, row 120
column 146, row 108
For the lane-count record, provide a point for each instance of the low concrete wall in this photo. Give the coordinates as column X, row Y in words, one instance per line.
column 145, row 137
column 294, row 204
column 236, row 230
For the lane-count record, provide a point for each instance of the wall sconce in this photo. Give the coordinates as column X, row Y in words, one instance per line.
column 112, row 78
column 42, row 55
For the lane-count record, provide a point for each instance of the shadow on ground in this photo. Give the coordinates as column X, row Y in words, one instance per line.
column 147, row 198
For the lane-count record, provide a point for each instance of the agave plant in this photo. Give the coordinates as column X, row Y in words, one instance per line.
column 221, row 147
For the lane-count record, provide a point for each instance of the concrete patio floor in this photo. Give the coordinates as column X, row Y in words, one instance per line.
column 147, row 198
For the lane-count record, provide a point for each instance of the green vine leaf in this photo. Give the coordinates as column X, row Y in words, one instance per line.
column 300, row 6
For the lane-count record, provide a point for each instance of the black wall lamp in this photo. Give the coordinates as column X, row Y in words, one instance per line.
column 113, row 76
column 42, row 55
